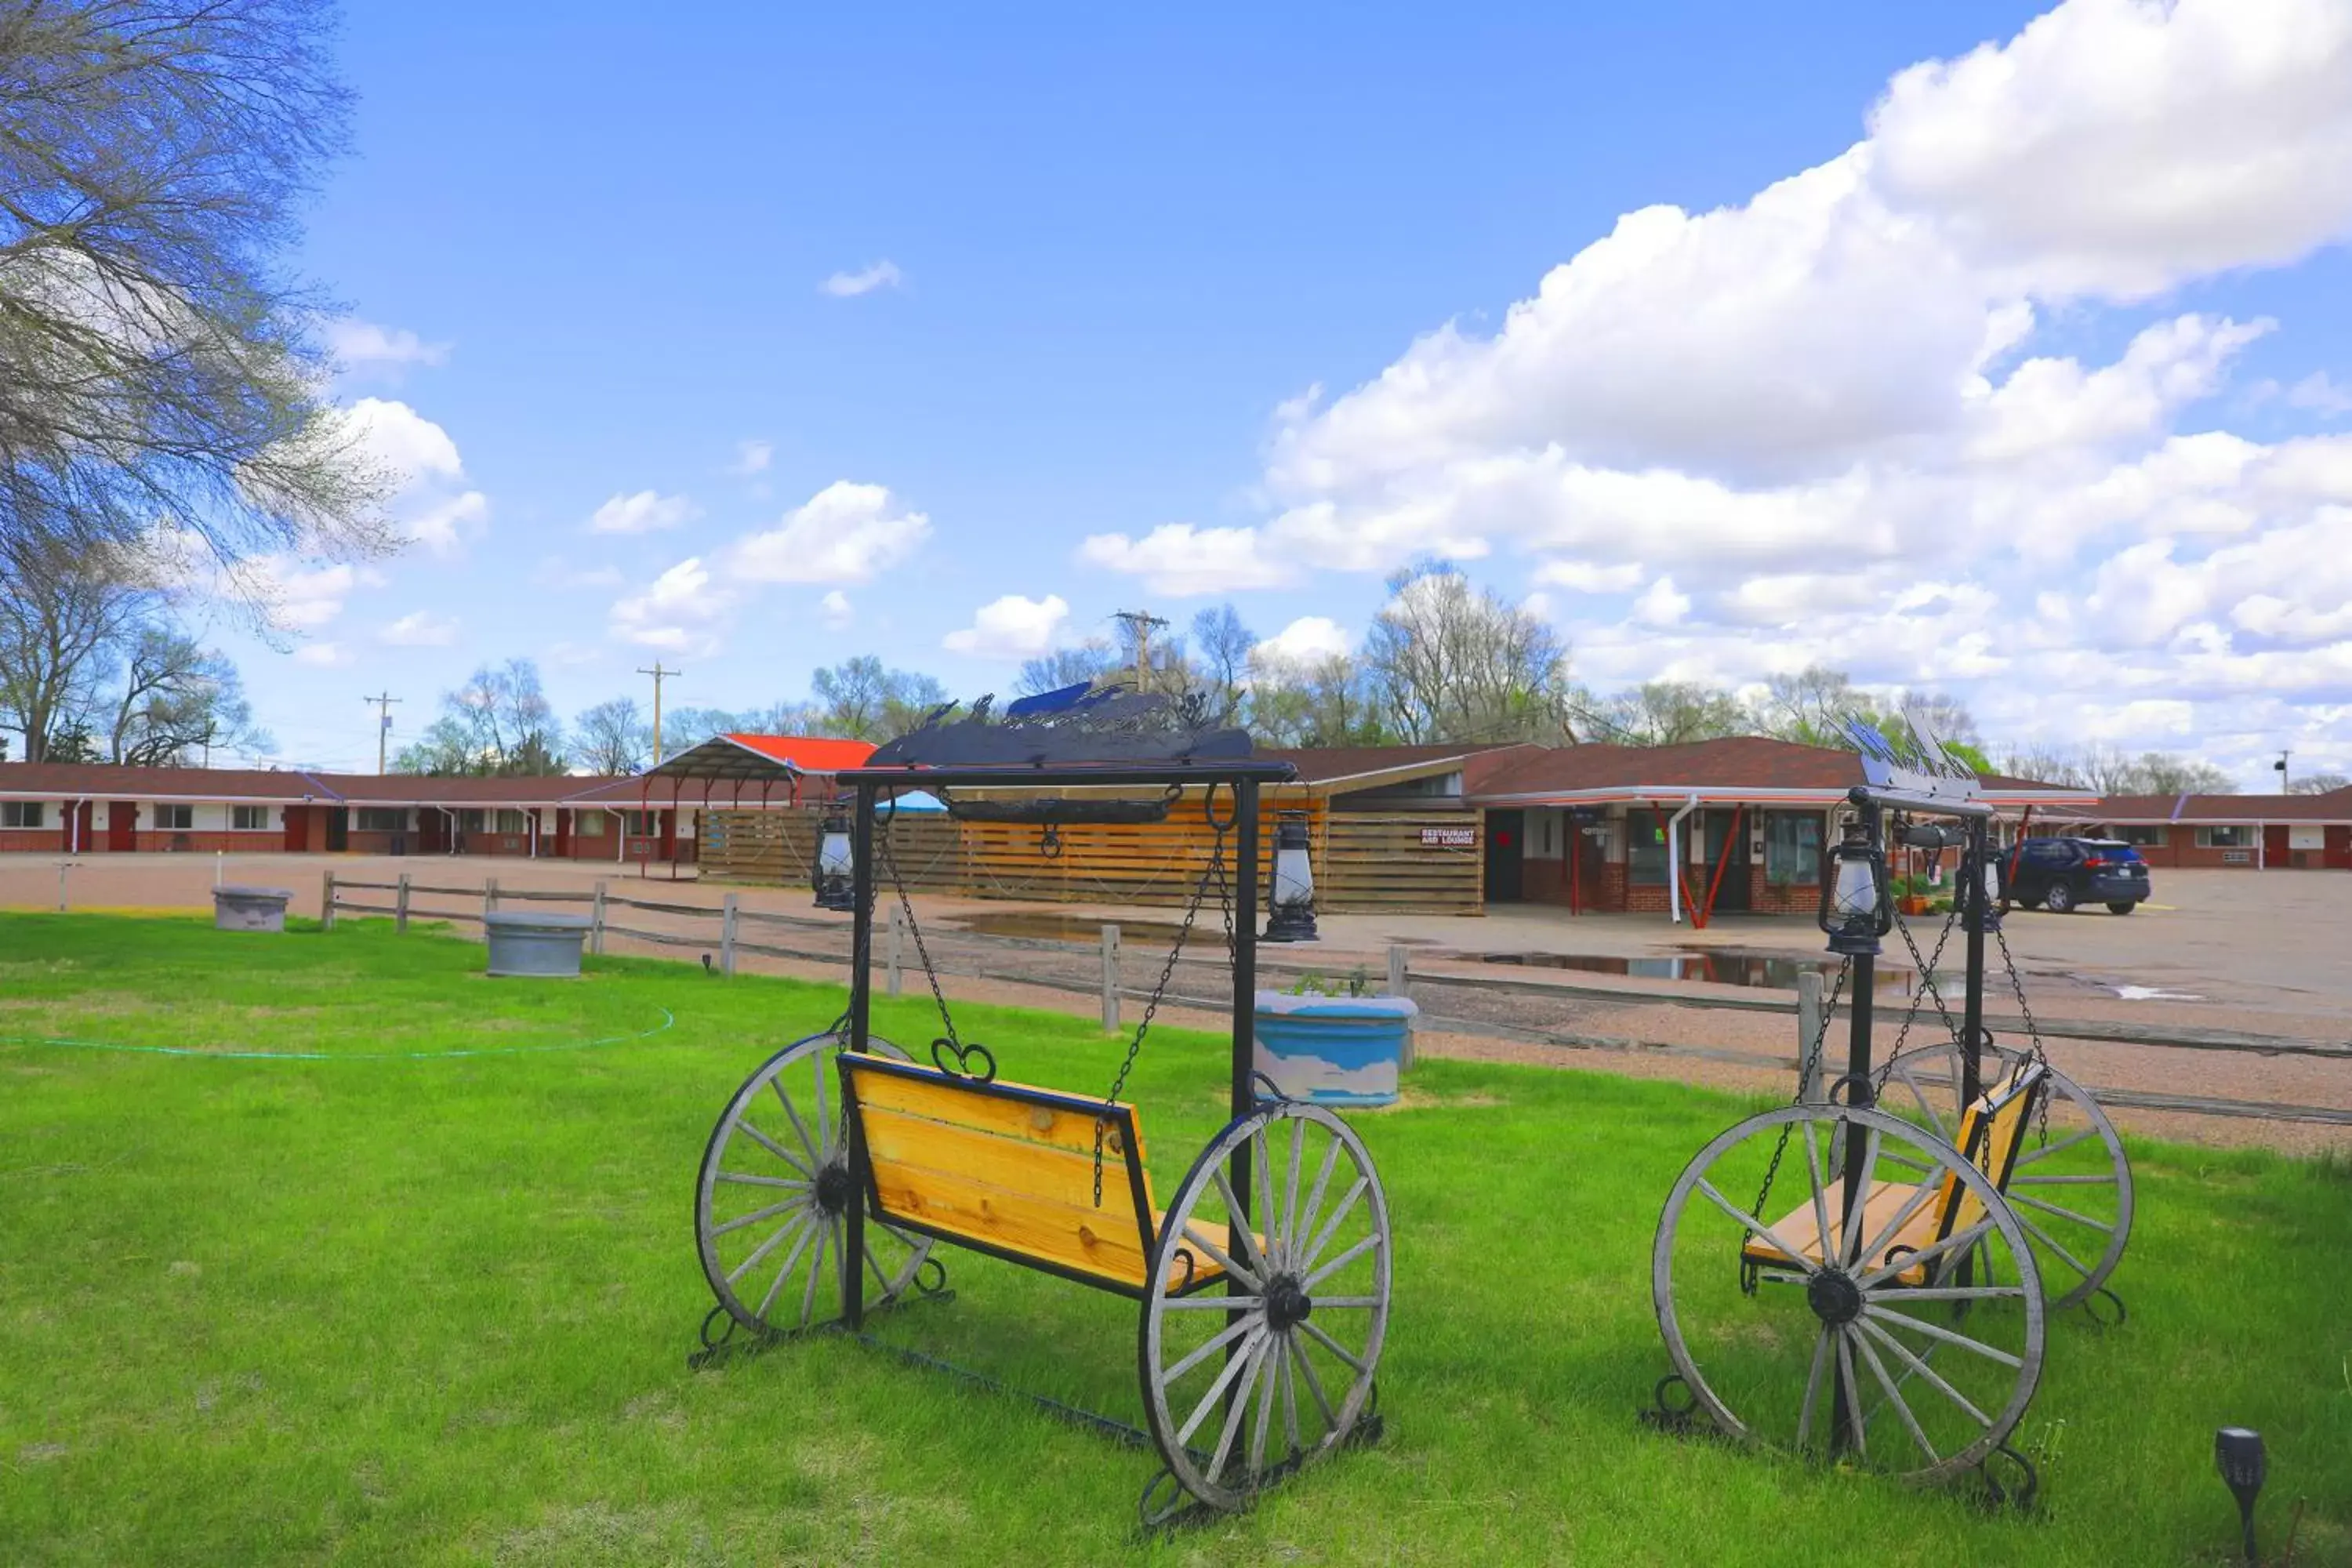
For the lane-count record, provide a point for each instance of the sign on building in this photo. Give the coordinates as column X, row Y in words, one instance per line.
column 1449, row 838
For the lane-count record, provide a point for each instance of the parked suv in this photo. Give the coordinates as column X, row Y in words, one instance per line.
column 2062, row 874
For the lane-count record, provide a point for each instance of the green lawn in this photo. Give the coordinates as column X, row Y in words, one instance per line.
column 410, row 1307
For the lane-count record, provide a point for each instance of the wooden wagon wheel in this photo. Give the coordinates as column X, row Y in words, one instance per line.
column 2072, row 1189
column 773, row 1192
column 1921, row 1364
column 1242, row 1388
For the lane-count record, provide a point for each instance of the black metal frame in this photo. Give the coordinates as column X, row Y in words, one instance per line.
column 1244, row 776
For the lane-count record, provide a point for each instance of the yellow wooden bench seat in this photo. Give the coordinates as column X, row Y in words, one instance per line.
column 1991, row 1133
column 1008, row 1169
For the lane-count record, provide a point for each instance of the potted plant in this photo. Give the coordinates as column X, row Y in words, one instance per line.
column 1911, row 895
column 1334, row 1043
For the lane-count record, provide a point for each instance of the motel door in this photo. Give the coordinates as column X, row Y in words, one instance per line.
column 122, row 826
column 339, row 828
column 2276, row 852
column 1726, row 872
column 1504, row 854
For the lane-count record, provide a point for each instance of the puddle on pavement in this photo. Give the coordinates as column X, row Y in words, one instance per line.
column 1069, row 928
column 1716, row 966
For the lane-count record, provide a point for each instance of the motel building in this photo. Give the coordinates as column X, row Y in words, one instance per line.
column 54, row 808
column 2255, row 832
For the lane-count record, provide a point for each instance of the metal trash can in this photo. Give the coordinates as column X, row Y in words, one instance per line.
column 250, row 909
column 545, row 947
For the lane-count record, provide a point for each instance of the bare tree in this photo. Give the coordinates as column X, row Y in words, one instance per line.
column 179, row 699
column 614, row 738
column 63, row 616
column 1328, row 701
column 1663, row 713
column 860, row 700
column 1221, row 663
column 1456, row 663
column 500, row 722
column 2319, row 784
column 1066, row 667
column 157, row 374
column 2041, row 764
column 2161, row 772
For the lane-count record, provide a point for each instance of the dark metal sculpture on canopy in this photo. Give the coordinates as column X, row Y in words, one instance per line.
column 1909, row 1288
column 1262, row 1288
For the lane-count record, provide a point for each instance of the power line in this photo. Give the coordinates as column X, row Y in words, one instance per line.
column 1141, row 625
column 383, row 726
column 659, row 675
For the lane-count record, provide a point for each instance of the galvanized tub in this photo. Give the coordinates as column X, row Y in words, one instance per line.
column 250, row 909
column 540, row 946
column 1333, row 1050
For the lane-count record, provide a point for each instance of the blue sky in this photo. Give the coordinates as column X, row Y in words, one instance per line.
column 2040, row 396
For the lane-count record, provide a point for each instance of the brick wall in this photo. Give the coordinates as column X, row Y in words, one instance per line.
column 202, row 841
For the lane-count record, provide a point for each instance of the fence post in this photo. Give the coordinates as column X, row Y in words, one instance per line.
column 400, row 907
column 1397, row 988
column 596, row 921
column 490, row 901
column 726, row 935
column 1110, row 979
column 327, row 903
column 63, row 867
column 891, row 949
column 1809, row 1028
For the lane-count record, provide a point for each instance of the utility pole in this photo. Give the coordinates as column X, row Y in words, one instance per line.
column 659, row 675
column 383, row 724
column 1142, row 624
column 2280, row 767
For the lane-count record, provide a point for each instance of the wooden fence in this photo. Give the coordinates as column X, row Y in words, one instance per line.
column 1364, row 862
column 984, row 957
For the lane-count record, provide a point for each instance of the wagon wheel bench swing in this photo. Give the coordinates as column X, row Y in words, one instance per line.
column 1895, row 1314
column 1263, row 1288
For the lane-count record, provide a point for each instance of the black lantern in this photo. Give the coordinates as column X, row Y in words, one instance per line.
column 1290, row 899
column 2238, row 1455
column 1856, row 910
column 833, row 865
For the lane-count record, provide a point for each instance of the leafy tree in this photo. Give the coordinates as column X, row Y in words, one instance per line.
column 1663, row 713
column 613, row 738
column 72, row 743
column 1457, row 663
column 1329, row 701
column 859, row 700
column 157, row 369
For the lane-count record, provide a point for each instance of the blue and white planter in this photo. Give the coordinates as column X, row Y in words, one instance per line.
column 1334, row 1050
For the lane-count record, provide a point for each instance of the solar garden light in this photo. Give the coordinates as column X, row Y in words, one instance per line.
column 1290, row 901
column 833, row 866
column 2238, row 1455
column 1856, row 908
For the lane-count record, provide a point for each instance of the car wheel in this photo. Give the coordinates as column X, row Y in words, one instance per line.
column 2034, row 902
column 2123, row 907
column 2060, row 899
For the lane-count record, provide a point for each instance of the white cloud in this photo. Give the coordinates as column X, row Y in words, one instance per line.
column 1587, row 578
column 298, row 597
column 421, row 629
column 1179, row 559
column 445, row 526
column 322, row 654
column 429, row 502
column 1304, row 641
column 837, row 611
column 555, row 572
column 846, row 533
column 680, row 612
column 752, row 456
column 364, row 346
column 644, row 512
column 1011, row 627
column 1660, row 604
column 849, row 285
column 2317, row 392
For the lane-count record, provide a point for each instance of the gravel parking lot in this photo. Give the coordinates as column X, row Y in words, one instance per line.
column 2262, row 952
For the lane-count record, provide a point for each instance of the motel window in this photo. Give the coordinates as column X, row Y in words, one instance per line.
column 2141, row 835
column 248, row 818
column 2234, row 836
column 1792, row 847
column 382, row 819
column 176, row 818
column 1645, row 849
column 22, row 812
column 591, row 823
column 511, row 821
column 641, row 824
column 470, row 819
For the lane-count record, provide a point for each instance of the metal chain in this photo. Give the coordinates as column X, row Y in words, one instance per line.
column 947, row 1020
column 1216, row 873
column 2039, row 1057
column 1927, row 968
column 1804, row 1073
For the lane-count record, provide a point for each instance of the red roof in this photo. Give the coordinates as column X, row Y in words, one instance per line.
column 810, row 753
column 2137, row 809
